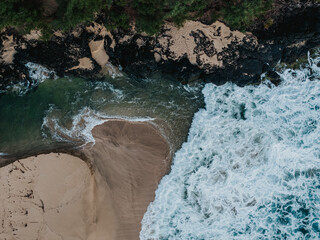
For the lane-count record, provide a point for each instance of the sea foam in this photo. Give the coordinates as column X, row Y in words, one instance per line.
column 250, row 168
column 39, row 73
column 80, row 129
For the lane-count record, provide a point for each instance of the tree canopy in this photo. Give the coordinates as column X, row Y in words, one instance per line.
column 148, row 15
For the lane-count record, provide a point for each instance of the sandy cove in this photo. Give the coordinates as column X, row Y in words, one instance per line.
column 60, row 196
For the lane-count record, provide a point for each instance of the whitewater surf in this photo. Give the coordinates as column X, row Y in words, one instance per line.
column 250, row 166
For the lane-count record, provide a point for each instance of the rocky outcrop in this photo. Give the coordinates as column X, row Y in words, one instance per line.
column 197, row 51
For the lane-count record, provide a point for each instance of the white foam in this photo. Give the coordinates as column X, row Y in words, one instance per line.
column 19, row 88
column 103, row 85
column 250, row 168
column 113, row 71
column 81, row 127
column 39, row 73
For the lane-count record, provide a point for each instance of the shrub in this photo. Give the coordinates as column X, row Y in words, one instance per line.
column 149, row 15
column 241, row 14
column 18, row 12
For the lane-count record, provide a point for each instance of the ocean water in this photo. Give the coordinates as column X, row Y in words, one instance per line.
column 57, row 112
column 250, row 168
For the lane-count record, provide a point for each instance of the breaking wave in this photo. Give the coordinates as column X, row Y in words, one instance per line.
column 250, row 168
column 37, row 74
column 79, row 130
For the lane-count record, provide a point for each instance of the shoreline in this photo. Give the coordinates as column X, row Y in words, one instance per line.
column 196, row 51
column 118, row 175
column 71, row 149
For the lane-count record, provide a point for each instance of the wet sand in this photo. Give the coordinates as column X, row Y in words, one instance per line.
column 60, row 196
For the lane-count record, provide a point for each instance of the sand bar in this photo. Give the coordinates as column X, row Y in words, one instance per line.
column 60, row 196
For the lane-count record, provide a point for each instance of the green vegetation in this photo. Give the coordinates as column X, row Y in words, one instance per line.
column 152, row 14
column 29, row 14
column 242, row 15
column 19, row 13
column 73, row 12
column 149, row 15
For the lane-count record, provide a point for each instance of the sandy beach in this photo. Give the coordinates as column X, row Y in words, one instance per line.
column 102, row 196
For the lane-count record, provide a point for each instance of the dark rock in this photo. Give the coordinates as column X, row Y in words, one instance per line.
column 273, row 77
column 11, row 74
column 295, row 30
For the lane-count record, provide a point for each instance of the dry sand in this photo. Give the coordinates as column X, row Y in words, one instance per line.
column 8, row 50
column 98, row 52
column 58, row 196
column 84, row 63
column 100, row 55
column 33, row 35
column 180, row 42
column 101, row 30
column 45, row 197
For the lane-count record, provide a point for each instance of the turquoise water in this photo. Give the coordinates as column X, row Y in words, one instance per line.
column 57, row 112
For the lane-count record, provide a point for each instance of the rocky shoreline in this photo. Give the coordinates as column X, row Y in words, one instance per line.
column 197, row 51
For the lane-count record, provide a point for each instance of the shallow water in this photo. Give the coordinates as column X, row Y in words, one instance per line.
column 250, row 168
column 61, row 112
